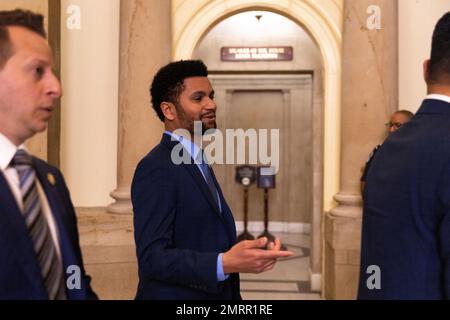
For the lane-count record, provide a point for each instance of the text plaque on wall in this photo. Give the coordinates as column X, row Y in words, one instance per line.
column 257, row 53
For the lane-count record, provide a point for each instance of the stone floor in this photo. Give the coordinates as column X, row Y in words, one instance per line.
column 109, row 257
column 288, row 280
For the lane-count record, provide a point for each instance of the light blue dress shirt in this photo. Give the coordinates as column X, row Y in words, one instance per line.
column 194, row 150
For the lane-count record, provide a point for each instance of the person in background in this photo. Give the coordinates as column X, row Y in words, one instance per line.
column 398, row 119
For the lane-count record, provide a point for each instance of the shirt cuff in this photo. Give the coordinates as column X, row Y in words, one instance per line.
column 220, row 275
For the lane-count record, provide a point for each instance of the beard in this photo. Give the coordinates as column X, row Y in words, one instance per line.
column 208, row 120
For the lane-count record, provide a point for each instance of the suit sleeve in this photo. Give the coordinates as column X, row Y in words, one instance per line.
column 154, row 197
column 86, row 280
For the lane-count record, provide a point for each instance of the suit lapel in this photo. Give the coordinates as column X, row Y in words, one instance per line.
column 14, row 233
column 198, row 177
column 194, row 171
column 50, row 186
column 51, row 192
column 62, row 213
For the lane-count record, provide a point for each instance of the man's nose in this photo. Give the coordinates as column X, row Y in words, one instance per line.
column 54, row 86
column 211, row 105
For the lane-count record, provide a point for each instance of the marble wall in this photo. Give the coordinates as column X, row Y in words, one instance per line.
column 416, row 20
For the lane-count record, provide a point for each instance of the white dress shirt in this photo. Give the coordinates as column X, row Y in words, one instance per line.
column 7, row 152
column 439, row 97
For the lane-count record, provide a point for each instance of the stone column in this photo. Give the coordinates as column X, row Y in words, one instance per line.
column 90, row 76
column 369, row 96
column 145, row 46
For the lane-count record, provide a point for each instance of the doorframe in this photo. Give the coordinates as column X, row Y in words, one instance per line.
column 54, row 125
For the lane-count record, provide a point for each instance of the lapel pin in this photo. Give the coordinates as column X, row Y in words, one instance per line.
column 51, row 179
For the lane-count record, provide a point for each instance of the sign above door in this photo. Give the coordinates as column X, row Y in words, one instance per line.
column 237, row 54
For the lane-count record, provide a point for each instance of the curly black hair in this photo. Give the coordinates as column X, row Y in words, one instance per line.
column 168, row 83
column 439, row 69
column 22, row 18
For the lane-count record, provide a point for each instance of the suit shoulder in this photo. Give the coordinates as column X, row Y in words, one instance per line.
column 41, row 164
column 50, row 172
column 153, row 171
column 159, row 156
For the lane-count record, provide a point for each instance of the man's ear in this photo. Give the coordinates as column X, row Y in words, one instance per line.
column 426, row 70
column 168, row 109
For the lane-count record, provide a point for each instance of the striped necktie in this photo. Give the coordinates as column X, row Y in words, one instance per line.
column 38, row 229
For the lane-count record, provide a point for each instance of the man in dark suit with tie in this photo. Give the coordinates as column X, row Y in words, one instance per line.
column 405, row 251
column 40, row 256
column 184, row 230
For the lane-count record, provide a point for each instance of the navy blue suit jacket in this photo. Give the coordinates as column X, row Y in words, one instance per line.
column 179, row 230
column 20, row 273
column 406, row 216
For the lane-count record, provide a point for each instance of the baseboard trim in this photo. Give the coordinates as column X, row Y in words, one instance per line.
column 275, row 226
column 316, row 281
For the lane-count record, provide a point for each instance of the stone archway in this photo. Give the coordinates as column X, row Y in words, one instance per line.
column 323, row 22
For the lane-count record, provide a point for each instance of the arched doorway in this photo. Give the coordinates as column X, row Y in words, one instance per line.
column 194, row 21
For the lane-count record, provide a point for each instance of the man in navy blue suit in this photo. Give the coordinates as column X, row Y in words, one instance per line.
column 184, row 230
column 405, row 251
column 40, row 256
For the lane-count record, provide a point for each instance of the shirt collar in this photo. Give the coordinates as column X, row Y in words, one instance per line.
column 190, row 146
column 439, row 97
column 7, row 151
